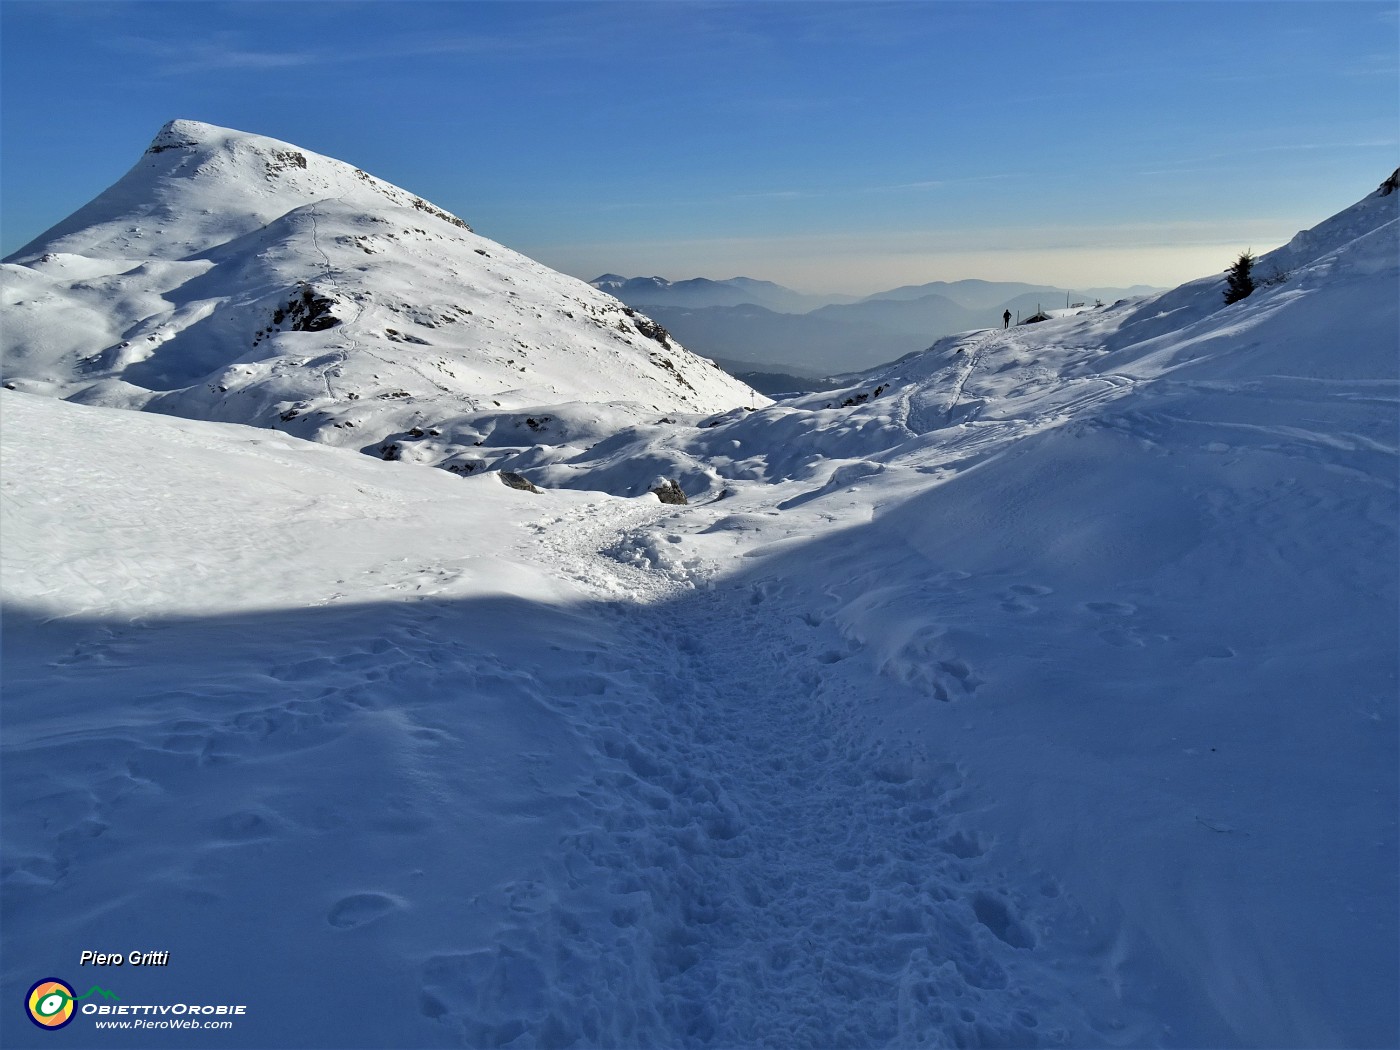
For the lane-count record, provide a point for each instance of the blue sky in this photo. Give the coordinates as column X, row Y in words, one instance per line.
column 828, row 146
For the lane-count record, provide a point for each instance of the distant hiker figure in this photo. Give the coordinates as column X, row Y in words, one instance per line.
column 1006, row 319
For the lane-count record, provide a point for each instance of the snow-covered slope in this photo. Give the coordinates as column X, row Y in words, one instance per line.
column 1038, row 690
column 261, row 696
column 233, row 277
column 1136, row 571
column 1332, row 316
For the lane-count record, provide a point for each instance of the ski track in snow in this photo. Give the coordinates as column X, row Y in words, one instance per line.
column 342, row 355
column 750, row 870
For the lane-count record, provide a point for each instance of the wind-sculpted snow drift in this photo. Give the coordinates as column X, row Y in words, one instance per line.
column 1036, row 690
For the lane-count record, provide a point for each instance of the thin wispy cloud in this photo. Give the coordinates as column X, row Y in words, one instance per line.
column 938, row 184
column 214, row 53
column 817, row 193
column 778, row 195
column 1372, row 66
column 229, row 53
column 1202, row 163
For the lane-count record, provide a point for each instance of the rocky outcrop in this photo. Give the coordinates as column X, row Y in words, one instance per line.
column 516, row 481
column 667, row 490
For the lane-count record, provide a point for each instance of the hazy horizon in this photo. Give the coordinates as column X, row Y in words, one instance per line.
column 828, row 147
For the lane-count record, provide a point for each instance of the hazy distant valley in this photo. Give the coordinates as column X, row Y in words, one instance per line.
column 753, row 326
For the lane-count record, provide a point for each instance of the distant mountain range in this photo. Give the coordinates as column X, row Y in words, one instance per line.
column 701, row 291
column 771, row 327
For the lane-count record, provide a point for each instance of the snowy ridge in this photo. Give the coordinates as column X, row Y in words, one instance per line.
column 975, row 393
column 234, row 277
column 198, row 186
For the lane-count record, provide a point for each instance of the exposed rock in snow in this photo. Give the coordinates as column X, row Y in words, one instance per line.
column 511, row 479
column 668, row 491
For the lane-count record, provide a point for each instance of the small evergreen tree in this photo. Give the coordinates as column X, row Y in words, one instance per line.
column 1239, row 280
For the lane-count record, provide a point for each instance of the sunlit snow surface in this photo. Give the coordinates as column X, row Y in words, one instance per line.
column 1045, row 697
column 187, row 288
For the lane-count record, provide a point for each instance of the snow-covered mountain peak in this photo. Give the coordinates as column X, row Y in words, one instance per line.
column 237, row 277
column 198, row 186
column 194, row 134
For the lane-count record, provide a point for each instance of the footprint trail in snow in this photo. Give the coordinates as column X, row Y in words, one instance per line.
column 753, row 871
